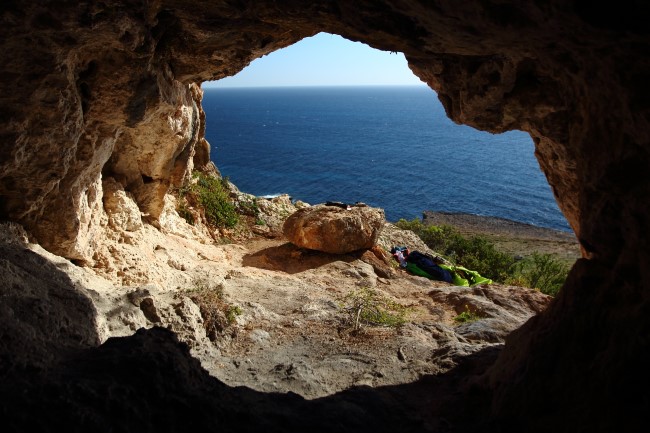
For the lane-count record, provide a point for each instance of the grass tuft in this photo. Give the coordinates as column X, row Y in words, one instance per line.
column 369, row 307
column 467, row 316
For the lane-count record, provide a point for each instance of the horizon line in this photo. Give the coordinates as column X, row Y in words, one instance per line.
column 310, row 85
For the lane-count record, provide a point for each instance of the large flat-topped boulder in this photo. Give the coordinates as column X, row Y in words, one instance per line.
column 335, row 229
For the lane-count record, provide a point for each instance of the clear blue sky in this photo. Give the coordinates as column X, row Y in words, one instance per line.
column 323, row 60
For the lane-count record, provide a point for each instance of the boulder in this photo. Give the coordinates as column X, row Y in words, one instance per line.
column 334, row 229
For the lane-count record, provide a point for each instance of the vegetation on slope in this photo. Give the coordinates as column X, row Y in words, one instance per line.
column 539, row 271
column 218, row 315
column 210, row 197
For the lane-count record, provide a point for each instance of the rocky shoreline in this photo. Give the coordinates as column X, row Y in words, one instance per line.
column 511, row 236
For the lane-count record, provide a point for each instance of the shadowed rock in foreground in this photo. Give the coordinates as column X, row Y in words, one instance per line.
column 149, row 382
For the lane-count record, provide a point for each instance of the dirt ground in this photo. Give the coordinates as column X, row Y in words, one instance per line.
column 293, row 335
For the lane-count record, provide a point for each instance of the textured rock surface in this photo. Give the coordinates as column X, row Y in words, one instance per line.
column 120, row 384
column 44, row 314
column 499, row 308
column 123, row 213
column 92, row 89
column 334, row 230
column 291, row 333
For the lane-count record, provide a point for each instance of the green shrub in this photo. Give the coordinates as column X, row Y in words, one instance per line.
column 214, row 195
column 232, row 312
column 209, row 195
column 368, row 307
column 185, row 213
column 543, row 272
column 480, row 254
column 251, row 208
column 435, row 237
column 539, row 271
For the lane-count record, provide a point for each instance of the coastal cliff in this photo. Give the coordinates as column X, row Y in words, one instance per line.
column 102, row 121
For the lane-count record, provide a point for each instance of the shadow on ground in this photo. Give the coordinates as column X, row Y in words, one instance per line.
column 149, row 382
column 291, row 259
column 44, row 315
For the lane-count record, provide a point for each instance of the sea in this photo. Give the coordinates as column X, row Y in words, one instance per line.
column 391, row 147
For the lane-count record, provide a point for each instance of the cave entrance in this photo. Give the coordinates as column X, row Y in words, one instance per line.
column 388, row 146
column 317, row 121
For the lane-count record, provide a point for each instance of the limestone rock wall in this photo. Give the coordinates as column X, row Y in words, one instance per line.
column 94, row 90
column 87, row 97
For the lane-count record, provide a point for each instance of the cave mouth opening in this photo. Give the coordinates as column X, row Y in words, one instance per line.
column 316, row 121
column 388, row 146
column 393, row 147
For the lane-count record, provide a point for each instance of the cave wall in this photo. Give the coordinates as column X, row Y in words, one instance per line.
column 98, row 90
column 86, row 97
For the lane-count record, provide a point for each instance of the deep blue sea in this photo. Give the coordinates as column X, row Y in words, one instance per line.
column 390, row 147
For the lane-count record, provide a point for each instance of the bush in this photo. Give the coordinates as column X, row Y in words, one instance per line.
column 543, row 272
column 185, row 213
column 435, row 237
column 212, row 196
column 251, row 208
column 539, row 271
column 479, row 254
column 232, row 312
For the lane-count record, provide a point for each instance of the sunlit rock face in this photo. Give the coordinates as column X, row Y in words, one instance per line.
column 92, row 90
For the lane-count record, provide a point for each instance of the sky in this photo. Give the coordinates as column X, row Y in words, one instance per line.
column 323, row 60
